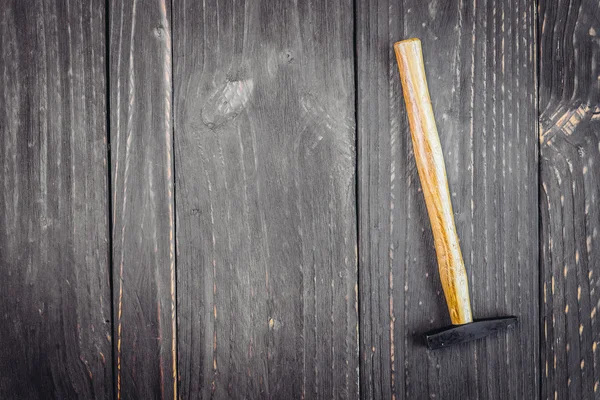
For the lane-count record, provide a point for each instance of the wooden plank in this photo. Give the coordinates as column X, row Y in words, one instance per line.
column 570, row 191
column 142, row 199
column 480, row 62
column 55, row 312
column 266, row 227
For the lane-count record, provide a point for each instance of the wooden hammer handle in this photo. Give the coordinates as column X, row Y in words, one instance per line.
column 432, row 172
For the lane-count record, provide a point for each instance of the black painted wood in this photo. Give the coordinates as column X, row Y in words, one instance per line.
column 141, row 138
column 480, row 63
column 264, row 128
column 266, row 228
column 570, row 190
column 55, row 312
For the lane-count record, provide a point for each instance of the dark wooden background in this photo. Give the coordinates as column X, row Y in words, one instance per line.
column 220, row 200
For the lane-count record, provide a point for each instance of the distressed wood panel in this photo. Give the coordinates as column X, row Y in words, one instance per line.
column 141, row 136
column 266, row 227
column 480, row 62
column 570, row 192
column 55, row 311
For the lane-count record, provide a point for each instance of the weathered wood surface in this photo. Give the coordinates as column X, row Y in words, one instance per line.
column 141, row 140
column 264, row 131
column 55, row 311
column 569, row 104
column 266, row 227
column 480, row 63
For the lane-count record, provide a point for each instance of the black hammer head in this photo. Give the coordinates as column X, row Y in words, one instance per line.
column 464, row 333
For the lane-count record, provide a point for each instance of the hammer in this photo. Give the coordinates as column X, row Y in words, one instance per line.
column 432, row 172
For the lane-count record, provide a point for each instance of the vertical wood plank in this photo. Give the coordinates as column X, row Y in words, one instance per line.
column 480, row 63
column 570, row 191
column 142, row 196
column 55, row 311
column 266, row 241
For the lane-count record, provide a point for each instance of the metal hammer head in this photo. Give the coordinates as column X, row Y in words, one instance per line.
column 477, row 329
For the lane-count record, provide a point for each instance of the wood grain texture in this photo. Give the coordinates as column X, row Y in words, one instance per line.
column 570, row 190
column 266, row 227
column 429, row 160
column 480, row 62
column 141, row 136
column 55, row 312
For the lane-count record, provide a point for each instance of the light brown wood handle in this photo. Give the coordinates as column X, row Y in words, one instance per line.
column 432, row 172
